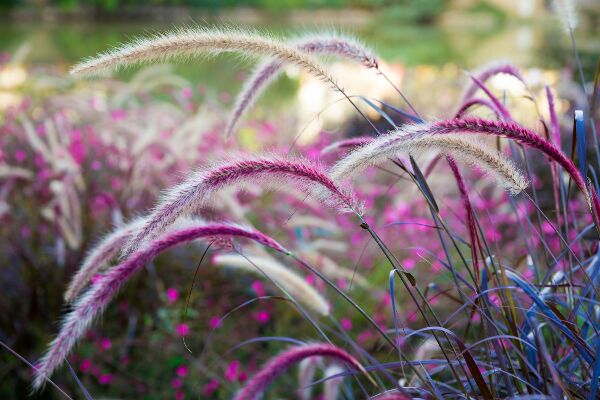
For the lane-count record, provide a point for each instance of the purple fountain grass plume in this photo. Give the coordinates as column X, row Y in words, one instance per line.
column 502, row 110
column 466, row 106
column 471, row 224
column 507, row 129
column 99, row 256
column 490, row 70
column 92, row 302
column 267, row 71
column 198, row 188
column 554, row 125
column 401, row 141
column 257, row 384
column 555, row 135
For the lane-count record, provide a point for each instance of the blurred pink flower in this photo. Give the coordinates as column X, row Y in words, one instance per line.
column 210, row 387
column 105, row 379
column 181, row 371
column 183, row 329
column 20, row 155
column 186, row 92
column 214, row 322
column 85, row 365
column 172, row 295
column 346, row 324
column 231, row 373
column 258, row 288
column 105, row 344
column 262, row 316
column 118, row 114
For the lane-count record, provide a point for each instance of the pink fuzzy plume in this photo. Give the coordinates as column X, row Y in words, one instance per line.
column 199, row 187
column 471, row 224
column 466, row 106
column 503, row 111
column 555, row 127
column 257, row 384
column 267, row 71
column 555, row 135
column 91, row 304
column 491, row 70
column 516, row 132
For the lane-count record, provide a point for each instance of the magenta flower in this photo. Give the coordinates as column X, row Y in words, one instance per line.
column 172, row 295
column 214, row 323
column 210, row 387
column 181, row 371
column 182, row 329
column 232, row 371
column 106, row 379
column 346, row 324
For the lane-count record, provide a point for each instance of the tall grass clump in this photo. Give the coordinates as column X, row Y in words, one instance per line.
column 427, row 281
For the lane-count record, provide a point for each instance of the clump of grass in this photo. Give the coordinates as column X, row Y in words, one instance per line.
column 533, row 338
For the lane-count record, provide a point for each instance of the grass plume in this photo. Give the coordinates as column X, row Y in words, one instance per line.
column 293, row 283
column 379, row 150
column 323, row 44
column 91, row 303
column 268, row 171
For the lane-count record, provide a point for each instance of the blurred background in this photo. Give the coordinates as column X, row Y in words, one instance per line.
column 62, row 195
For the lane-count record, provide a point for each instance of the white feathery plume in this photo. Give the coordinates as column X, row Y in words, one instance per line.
column 566, row 10
column 293, row 283
column 405, row 140
column 193, row 42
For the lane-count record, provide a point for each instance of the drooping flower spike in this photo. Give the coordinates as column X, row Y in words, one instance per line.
column 92, row 302
column 472, row 126
column 269, row 171
column 99, row 257
column 489, row 71
column 257, row 384
column 268, row 71
column 384, row 147
column 195, row 42
column 293, row 283
column 468, row 104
